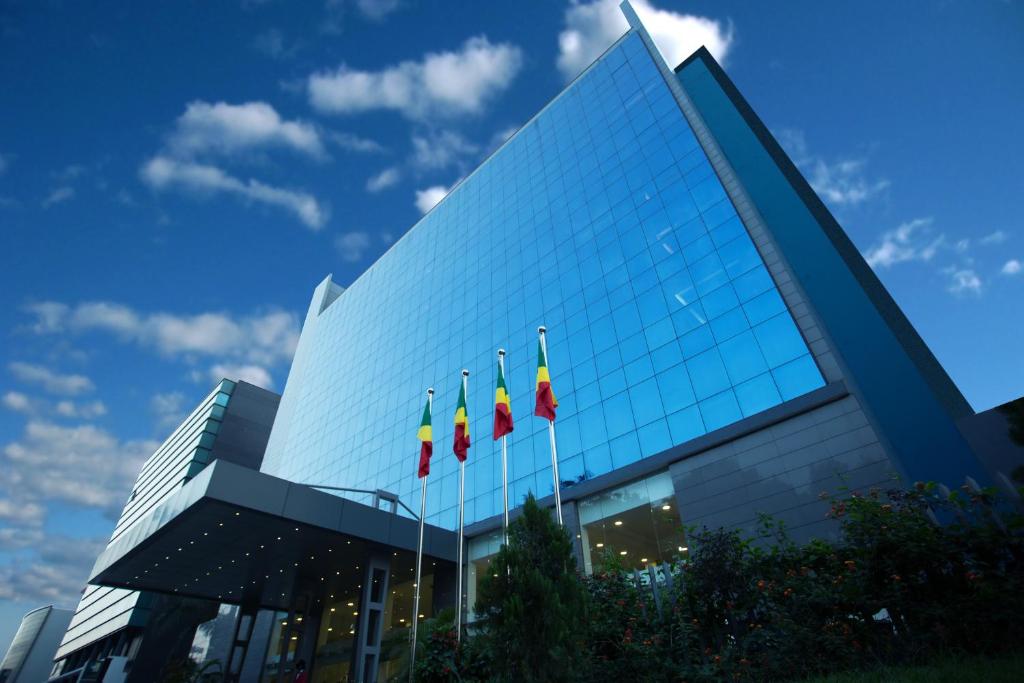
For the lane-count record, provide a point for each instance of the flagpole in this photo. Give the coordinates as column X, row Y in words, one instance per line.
column 551, row 434
column 462, row 495
column 504, row 457
column 419, row 561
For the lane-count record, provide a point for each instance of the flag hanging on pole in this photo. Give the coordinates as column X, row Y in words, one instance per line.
column 546, row 401
column 461, row 445
column 426, row 436
column 502, row 407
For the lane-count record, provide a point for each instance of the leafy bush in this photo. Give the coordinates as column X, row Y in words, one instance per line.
column 916, row 574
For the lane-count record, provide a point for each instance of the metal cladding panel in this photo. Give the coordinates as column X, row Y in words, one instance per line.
column 902, row 386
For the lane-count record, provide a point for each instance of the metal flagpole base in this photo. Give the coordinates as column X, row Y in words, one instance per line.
column 458, row 582
column 554, row 472
column 416, row 593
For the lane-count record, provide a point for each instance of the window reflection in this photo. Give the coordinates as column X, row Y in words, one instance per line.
column 397, row 622
column 335, row 644
column 480, row 553
column 636, row 525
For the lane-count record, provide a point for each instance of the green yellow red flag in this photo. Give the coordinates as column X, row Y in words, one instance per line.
column 502, row 407
column 426, row 437
column 546, row 401
column 461, row 445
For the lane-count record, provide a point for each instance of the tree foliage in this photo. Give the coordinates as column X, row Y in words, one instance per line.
column 912, row 575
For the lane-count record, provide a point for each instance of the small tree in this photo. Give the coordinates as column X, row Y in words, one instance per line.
column 533, row 604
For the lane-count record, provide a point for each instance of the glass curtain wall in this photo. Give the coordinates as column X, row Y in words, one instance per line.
column 602, row 219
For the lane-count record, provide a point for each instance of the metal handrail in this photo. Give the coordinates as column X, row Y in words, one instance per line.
column 377, row 495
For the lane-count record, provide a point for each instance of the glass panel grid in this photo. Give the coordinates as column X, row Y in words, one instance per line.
column 601, row 219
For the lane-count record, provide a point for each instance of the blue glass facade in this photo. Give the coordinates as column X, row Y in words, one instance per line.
column 601, row 219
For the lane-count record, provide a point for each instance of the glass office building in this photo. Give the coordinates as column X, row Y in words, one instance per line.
column 718, row 346
column 602, row 219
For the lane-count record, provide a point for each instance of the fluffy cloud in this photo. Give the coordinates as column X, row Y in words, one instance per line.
column 272, row 43
column 843, row 182
column 231, row 128
column 253, row 374
column 911, row 241
column 1011, row 267
column 437, row 150
column 47, row 462
column 428, row 198
column 53, row 382
column 59, row 195
column 590, row 28
column 355, row 143
column 997, row 237
column 265, row 338
column 377, row 10
column 55, row 573
column 17, row 401
column 963, row 281
column 169, row 409
column 440, row 84
column 383, row 180
column 353, row 245
column 167, row 173
column 86, row 411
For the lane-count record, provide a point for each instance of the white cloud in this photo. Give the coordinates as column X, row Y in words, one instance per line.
column 377, row 10
column 1011, row 267
column 17, row 401
column 59, row 195
column 272, row 43
column 997, row 237
column 169, row 409
column 26, row 513
column 231, row 128
column 352, row 245
column 53, row 382
column 166, row 173
column 262, row 338
column 910, row 241
column 437, row 150
column 841, row 183
column 383, row 180
column 55, row 573
column 502, row 136
column 592, row 27
column 963, row 281
column 441, row 84
column 86, row 411
column 355, row 143
column 48, row 461
column 428, row 198
column 253, row 374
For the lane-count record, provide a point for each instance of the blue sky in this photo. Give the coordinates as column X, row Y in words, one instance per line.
column 176, row 177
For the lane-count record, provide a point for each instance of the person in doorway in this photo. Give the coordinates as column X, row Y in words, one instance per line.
column 300, row 672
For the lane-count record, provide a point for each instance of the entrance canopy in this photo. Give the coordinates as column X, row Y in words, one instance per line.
column 236, row 535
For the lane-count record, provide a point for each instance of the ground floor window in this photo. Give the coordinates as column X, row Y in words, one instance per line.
column 636, row 525
column 481, row 551
column 336, row 640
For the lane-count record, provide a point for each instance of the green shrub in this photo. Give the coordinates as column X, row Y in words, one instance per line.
column 915, row 575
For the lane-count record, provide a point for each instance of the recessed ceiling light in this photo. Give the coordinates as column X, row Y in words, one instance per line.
column 618, row 522
column 622, row 552
column 600, row 545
